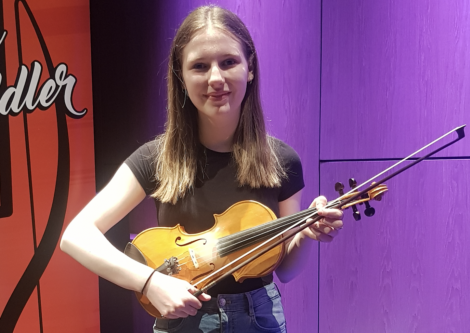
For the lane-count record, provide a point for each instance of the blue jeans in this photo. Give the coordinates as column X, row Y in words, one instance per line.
column 259, row 310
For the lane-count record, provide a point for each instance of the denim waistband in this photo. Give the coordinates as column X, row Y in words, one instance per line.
column 240, row 302
column 230, row 303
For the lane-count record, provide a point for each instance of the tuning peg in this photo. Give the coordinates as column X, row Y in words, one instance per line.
column 339, row 188
column 369, row 211
column 352, row 183
column 356, row 213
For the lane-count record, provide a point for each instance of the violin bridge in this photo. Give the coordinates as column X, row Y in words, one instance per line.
column 193, row 258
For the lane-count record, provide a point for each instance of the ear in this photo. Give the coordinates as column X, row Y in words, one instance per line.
column 250, row 68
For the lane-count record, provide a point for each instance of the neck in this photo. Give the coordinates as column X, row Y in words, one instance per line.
column 216, row 133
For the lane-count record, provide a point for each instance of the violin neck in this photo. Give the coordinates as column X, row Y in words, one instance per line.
column 245, row 238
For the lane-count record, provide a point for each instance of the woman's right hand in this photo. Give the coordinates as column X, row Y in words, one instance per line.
column 173, row 297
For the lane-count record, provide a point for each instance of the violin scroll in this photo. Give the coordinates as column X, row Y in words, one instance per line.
column 351, row 199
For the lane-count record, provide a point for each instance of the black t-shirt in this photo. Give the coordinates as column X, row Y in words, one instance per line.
column 215, row 190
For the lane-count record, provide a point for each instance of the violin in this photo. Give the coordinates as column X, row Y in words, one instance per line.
column 246, row 241
column 205, row 257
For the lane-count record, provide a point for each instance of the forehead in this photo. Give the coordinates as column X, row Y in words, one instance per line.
column 211, row 42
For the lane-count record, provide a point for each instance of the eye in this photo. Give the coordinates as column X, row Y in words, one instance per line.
column 229, row 62
column 199, row 66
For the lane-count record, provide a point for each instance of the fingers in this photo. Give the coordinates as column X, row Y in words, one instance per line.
column 319, row 202
column 324, row 229
column 203, row 297
column 187, row 306
column 327, row 227
column 173, row 297
column 179, row 313
column 331, row 216
column 321, row 235
column 334, row 222
column 331, row 213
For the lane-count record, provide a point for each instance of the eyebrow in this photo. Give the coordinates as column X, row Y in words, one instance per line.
column 223, row 56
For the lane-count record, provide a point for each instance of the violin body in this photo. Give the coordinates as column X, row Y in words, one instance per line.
column 193, row 257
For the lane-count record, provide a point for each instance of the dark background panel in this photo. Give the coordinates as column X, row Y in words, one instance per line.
column 126, row 114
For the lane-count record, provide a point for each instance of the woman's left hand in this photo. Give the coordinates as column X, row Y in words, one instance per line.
column 328, row 227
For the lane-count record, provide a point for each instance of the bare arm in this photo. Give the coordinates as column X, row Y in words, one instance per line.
column 299, row 248
column 84, row 241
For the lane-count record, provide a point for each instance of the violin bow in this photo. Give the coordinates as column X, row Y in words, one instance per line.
column 338, row 202
column 311, row 213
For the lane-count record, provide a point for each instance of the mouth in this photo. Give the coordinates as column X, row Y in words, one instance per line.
column 217, row 96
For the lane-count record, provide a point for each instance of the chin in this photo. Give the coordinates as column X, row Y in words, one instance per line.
column 218, row 110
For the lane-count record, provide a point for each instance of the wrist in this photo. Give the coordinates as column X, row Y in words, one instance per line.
column 147, row 282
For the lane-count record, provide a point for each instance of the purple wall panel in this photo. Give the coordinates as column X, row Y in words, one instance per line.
column 287, row 38
column 407, row 269
column 395, row 75
column 288, row 42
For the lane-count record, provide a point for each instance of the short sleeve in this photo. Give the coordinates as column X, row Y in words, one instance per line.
column 293, row 167
column 142, row 166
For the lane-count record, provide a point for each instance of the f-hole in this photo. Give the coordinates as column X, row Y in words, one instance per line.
column 191, row 242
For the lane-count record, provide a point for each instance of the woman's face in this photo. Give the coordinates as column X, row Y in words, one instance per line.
column 215, row 73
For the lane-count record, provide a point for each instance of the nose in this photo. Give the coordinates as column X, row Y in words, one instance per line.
column 216, row 76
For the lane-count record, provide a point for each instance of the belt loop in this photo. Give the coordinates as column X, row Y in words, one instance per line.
column 164, row 323
column 250, row 304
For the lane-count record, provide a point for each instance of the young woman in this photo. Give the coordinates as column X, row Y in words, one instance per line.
column 214, row 152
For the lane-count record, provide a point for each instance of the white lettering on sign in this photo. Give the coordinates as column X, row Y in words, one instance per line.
column 14, row 99
column 25, row 94
column 3, row 37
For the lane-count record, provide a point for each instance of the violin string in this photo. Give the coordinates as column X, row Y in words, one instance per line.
column 201, row 260
column 234, row 246
column 254, row 249
column 312, row 212
column 269, row 226
column 255, row 235
column 204, row 259
column 260, row 230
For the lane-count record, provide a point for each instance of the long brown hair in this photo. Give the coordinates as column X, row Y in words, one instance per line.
column 177, row 149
